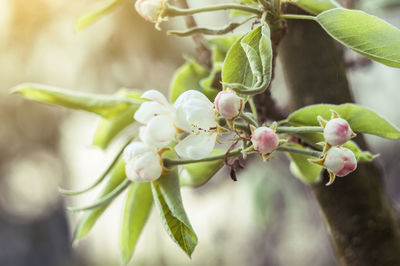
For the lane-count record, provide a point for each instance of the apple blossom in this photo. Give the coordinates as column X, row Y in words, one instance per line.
column 158, row 115
column 337, row 131
column 228, row 104
column 143, row 163
column 195, row 114
column 340, row 161
column 264, row 140
column 150, row 10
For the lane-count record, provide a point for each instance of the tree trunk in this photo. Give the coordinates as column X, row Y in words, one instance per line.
column 357, row 211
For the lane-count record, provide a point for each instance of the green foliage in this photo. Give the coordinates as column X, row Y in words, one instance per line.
column 316, row 6
column 167, row 198
column 361, row 120
column 137, row 209
column 107, row 106
column 365, row 34
column 97, row 14
column 248, row 64
column 304, row 170
column 117, row 176
column 109, row 128
column 362, row 156
column 187, row 77
column 197, row 174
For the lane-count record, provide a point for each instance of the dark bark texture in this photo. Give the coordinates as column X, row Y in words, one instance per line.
column 363, row 225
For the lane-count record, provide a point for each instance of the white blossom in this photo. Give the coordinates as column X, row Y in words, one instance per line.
column 228, row 104
column 150, row 10
column 264, row 140
column 340, row 161
column 337, row 131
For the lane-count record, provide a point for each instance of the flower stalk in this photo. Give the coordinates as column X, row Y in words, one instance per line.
column 171, row 11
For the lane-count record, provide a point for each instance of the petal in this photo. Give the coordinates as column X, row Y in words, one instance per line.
column 159, row 132
column 196, row 146
column 145, row 167
column 134, row 149
column 148, row 110
column 155, row 96
column 191, row 94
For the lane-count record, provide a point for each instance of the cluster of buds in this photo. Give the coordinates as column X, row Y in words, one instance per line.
column 338, row 160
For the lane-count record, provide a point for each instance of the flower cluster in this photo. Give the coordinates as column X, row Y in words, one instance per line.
column 338, row 160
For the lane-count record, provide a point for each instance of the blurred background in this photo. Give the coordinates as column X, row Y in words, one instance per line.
column 266, row 218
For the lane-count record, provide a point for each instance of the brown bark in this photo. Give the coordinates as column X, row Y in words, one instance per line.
column 358, row 213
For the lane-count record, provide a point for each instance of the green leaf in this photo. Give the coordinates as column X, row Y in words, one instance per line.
column 365, row 34
column 301, row 168
column 362, row 156
column 187, row 77
column 197, row 174
column 316, row 6
column 117, row 176
column 109, row 128
column 248, row 63
column 136, row 212
column 167, row 198
column 105, row 105
column 97, row 14
column 361, row 120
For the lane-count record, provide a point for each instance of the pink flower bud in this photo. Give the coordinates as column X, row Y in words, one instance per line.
column 228, row 104
column 264, row 140
column 150, row 10
column 337, row 131
column 340, row 161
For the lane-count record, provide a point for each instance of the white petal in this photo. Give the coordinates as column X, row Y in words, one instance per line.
column 148, row 110
column 134, row 149
column 159, row 132
column 196, row 146
column 155, row 96
column 191, row 94
column 145, row 167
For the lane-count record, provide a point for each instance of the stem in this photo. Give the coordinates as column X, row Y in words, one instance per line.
column 297, row 130
column 248, row 119
column 171, row 11
column 292, row 16
column 173, row 162
column 300, row 150
column 253, row 108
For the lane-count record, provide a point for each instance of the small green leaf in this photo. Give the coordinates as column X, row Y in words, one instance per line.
column 97, row 14
column 197, row 174
column 117, row 176
column 187, row 77
column 167, row 198
column 136, row 212
column 361, row 120
column 105, row 105
column 362, row 156
column 316, row 6
column 248, row 63
column 301, row 168
column 365, row 34
column 109, row 128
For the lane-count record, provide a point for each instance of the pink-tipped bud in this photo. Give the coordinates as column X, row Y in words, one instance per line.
column 340, row 161
column 337, row 131
column 264, row 140
column 228, row 104
column 150, row 10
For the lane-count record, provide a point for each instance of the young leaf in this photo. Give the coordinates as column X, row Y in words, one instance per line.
column 167, row 198
column 315, row 6
column 361, row 120
column 117, row 176
column 136, row 212
column 197, row 174
column 109, row 128
column 105, row 105
column 304, row 170
column 187, row 77
column 97, row 14
column 365, row 34
column 248, row 63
